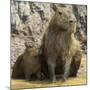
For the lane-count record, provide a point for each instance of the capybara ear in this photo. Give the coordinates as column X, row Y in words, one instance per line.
column 54, row 7
column 28, row 44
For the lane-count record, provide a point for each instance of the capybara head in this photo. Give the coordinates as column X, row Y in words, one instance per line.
column 31, row 49
column 64, row 19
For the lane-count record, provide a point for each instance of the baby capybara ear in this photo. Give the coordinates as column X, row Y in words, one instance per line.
column 28, row 44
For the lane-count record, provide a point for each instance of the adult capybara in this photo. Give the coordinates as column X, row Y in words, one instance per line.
column 60, row 45
column 28, row 64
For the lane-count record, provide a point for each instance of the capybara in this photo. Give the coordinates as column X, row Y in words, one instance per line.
column 17, row 71
column 75, row 64
column 60, row 45
column 28, row 64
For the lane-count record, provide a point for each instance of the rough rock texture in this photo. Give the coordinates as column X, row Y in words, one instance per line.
column 29, row 21
column 81, row 15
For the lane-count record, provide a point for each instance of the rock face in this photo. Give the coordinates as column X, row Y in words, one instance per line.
column 81, row 15
column 29, row 21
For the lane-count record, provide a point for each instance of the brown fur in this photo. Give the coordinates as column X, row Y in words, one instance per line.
column 17, row 69
column 60, row 45
column 27, row 64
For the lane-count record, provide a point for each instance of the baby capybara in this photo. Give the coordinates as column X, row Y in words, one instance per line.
column 28, row 64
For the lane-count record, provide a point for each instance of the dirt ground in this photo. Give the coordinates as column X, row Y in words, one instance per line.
column 81, row 79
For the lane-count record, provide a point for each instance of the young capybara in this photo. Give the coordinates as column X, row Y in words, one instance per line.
column 17, row 71
column 60, row 45
column 28, row 64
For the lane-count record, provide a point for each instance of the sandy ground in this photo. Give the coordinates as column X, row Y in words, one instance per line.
column 81, row 79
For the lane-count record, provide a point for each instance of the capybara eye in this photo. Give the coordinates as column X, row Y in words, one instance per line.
column 71, row 21
column 60, row 13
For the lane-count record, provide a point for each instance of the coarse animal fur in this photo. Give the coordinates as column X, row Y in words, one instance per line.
column 60, row 45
